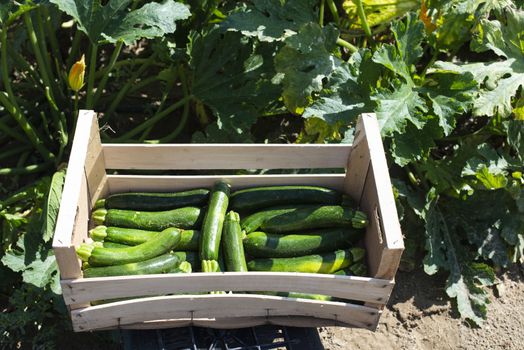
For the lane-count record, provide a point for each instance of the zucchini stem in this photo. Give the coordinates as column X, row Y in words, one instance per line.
column 99, row 216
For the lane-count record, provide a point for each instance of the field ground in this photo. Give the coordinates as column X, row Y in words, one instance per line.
column 419, row 317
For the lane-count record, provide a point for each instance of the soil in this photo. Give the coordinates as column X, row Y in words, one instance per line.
column 420, row 316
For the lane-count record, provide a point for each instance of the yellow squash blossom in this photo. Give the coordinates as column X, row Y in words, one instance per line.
column 76, row 75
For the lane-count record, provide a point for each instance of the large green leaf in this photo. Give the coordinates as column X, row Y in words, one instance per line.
column 397, row 107
column 488, row 167
column 444, row 251
column 114, row 21
column 414, row 144
column 52, row 205
column 270, row 20
column 501, row 79
column 304, row 61
column 233, row 77
column 346, row 92
column 451, row 94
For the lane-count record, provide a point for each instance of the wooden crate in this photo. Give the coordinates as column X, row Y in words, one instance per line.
column 166, row 300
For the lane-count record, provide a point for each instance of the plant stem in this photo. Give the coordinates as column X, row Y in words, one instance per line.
column 143, row 83
column 321, row 12
column 26, row 126
column 362, row 16
column 13, row 151
column 105, row 77
column 151, row 121
column 44, row 73
column 9, row 130
column 52, row 36
column 123, row 91
column 9, row 102
column 351, row 48
column 74, row 48
column 334, row 12
column 29, row 169
column 91, row 76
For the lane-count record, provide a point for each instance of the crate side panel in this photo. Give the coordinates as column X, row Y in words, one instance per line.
column 357, row 164
column 347, row 287
column 224, row 156
column 126, row 183
column 95, row 164
column 217, row 306
column 384, row 240
column 73, row 199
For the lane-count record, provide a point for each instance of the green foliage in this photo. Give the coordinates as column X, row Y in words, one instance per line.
column 447, row 89
column 113, row 21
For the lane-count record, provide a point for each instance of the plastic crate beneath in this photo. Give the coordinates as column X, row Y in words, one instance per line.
column 196, row 338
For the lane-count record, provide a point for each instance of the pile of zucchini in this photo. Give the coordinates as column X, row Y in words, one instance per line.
column 278, row 228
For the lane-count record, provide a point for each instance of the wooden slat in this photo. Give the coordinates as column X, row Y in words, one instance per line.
column 224, row 156
column 384, row 242
column 63, row 245
column 95, row 164
column 347, row 287
column 217, row 306
column 126, row 183
column 358, row 163
column 237, row 322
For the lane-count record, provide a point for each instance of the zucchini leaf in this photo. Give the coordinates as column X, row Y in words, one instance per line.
column 114, row 21
column 232, row 76
column 304, row 61
column 500, row 79
column 445, row 251
column 270, row 20
column 52, row 205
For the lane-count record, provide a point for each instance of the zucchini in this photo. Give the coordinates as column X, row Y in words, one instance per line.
column 183, row 267
column 269, row 245
column 251, row 199
column 107, row 244
column 313, row 217
column 232, row 244
column 151, row 201
column 158, row 245
column 213, row 222
column 132, row 236
column 160, row 264
column 254, row 221
column 190, row 257
column 356, row 269
column 318, row 263
column 186, row 218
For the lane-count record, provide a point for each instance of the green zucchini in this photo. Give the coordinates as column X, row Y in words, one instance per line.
column 185, row 218
column 254, row 221
column 213, row 222
column 232, row 244
column 317, row 263
column 158, row 245
column 107, row 244
column 269, row 245
column 356, row 269
column 190, row 257
column 255, row 198
column 313, row 217
column 151, row 201
column 183, row 267
column 132, row 236
column 160, row 264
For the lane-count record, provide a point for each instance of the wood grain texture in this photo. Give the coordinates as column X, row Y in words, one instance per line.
column 217, row 307
column 126, row 183
column 347, row 287
column 233, row 323
column 384, row 241
column 62, row 241
column 357, row 164
column 225, row 156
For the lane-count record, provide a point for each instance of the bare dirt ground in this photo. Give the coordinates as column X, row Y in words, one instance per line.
column 419, row 316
